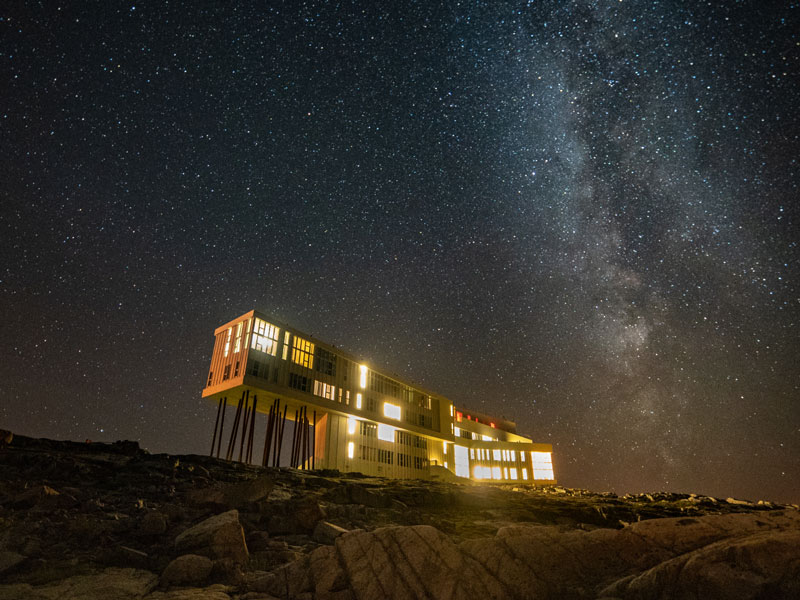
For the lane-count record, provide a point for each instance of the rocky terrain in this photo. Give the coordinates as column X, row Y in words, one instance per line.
column 112, row 522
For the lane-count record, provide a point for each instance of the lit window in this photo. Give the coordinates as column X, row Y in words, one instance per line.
column 462, row 461
column 325, row 390
column 457, row 431
column 265, row 337
column 542, row 465
column 228, row 341
column 285, row 344
column 459, row 416
column 237, row 345
column 392, row 411
column 525, row 474
column 472, row 453
column 386, row 432
column 477, row 472
column 495, row 472
column 351, row 449
column 302, row 352
column 444, row 447
column 522, row 455
column 513, row 473
column 492, row 425
column 514, row 456
column 486, row 438
column 505, row 472
column 358, row 400
column 351, row 425
column 451, row 410
column 363, row 376
column 496, row 455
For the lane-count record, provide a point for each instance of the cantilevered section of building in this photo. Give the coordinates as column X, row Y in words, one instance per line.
column 349, row 415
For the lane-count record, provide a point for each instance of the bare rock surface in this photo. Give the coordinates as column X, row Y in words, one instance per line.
column 114, row 522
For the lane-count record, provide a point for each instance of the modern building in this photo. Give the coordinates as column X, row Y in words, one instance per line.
column 350, row 416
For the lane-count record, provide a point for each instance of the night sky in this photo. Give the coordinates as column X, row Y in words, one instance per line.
column 582, row 216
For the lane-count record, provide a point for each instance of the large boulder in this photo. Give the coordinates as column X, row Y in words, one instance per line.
column 220, row 536
column 189, row 569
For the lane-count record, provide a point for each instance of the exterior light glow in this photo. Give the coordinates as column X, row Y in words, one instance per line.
column 386, row 432
column 392, row 411
column 362, row 376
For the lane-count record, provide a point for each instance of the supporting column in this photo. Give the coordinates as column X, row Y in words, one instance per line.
column 216, row 426
column 234, row 430
column 222, row 424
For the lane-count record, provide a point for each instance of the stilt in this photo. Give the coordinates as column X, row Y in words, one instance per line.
column 304, row 440
column 216, row 426
column 244, row 424
column 252, row 430
column 235, row 429
column 222, row 423
column 293, row 458
column 267, row 436
column 314, row 443
column 280, row 437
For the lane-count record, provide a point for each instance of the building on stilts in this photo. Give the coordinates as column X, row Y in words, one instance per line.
column 346, row 414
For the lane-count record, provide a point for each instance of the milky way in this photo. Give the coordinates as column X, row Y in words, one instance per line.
column 581, row 216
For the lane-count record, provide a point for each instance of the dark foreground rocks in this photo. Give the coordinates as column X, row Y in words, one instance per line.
column 92, row 521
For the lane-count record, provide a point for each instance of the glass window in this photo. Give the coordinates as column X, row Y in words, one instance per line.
column 265, row 337
column 542, row 465
column 302, row 352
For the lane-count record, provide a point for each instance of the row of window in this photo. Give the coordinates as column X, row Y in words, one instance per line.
column 387, row 457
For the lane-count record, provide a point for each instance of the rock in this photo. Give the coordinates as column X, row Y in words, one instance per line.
column 258, row 541
column 214, row 592
column 153, row 523
column 308, row 513
column 110, row 584
column 10, row 560
column 189, row 569
column 6, row 437
column 220, row 536
column 32, row 496
column 326, row 533
column 361, row 495
column 239, row 495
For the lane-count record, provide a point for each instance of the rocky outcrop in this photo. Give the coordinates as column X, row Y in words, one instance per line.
column 110, row 521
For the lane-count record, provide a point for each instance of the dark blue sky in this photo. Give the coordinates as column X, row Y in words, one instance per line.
column 581, row 216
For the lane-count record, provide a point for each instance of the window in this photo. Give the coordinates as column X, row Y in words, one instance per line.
column 358, row 401
column 525, row 474
column 228, row 341
column 372, row 404
column 325, row 390
column 236, row 369
column 496, row 473
column 326, row 361
column 367, row 429
column 351, row 447
column 285, row 344
column 513, row 473
column 496, row 455
column 385, row 456
column 542, row 465
column 404, row 460
column 386, row 432
column 391, row 411
column 420, row 442
column 420, row 462
column 351, row 425
column 362, row 370
column 265, row 337
column 472, row 453
column 302, row 352
column 226, row 372
column 462, row 461
column 210, row 377
column 237, row 345
column 299, row 382
column 487, row 438
column 259, row 369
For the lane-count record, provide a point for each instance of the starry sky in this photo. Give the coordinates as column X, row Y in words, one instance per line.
column 582, row 216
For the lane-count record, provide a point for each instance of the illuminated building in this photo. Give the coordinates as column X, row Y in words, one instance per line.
column 349, row 415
